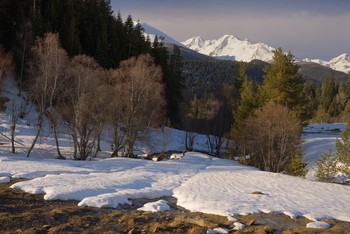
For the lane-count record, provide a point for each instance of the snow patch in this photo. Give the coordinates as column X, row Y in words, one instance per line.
column 218, row 231
column 4, row 180
column 238, row 226
column 199, row 182
column 232, row 219
column 157, row 206
column 318, row 224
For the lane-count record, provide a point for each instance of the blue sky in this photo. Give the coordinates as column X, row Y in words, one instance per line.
column 308, row 28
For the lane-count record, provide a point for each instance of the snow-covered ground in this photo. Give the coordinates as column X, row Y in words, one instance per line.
column 319, row 139
column 198, row 181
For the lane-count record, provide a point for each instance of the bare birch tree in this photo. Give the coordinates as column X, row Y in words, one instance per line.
column 47, row 67
column 82, row 92
column 114, row 112
column 138, row 84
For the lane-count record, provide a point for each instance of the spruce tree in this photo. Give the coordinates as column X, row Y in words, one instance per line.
column 240, row 77
column 331, row 165
column 247, row 100
column 283, row 84
column 174, row 85
column 312, row 94
column 329, row 91
column 347, row 87
column 248, row 103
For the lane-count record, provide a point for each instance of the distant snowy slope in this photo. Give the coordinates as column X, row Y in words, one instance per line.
column 340, row 63
column 230, row 47
column 152, row 32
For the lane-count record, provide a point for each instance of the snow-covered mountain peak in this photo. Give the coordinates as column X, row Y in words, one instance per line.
column 231, row 47
column 341, row 58
column 195, row 41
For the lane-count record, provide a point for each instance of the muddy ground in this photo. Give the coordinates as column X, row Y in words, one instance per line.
column 25, row 213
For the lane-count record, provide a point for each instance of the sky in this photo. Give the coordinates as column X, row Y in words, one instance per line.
column 307, row 28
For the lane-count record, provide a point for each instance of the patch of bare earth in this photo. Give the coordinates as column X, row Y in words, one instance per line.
column 25, row 213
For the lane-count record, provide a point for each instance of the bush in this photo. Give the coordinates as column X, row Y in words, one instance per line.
column 272, row 137
column 327, row 170
column 336, row 167
column 296, row 166
column 343, row 152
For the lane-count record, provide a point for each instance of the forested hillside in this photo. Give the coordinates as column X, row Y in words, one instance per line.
column 84, row 64
column 313, row 72
column 87, row 27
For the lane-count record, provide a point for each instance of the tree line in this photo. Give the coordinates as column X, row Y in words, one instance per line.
column 269, row 116
column 79, row 97
column 264, row 117
column 85, row 27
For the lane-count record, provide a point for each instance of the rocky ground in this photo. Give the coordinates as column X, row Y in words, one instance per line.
column 25, row 213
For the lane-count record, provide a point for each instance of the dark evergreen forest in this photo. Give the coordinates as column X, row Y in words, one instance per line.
column 85, row 27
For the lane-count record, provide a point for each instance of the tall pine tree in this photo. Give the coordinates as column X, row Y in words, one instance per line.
column 174, row 85
column 248, row 103
column 283, row 84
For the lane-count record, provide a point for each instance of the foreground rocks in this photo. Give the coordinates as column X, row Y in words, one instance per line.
column 25, row 213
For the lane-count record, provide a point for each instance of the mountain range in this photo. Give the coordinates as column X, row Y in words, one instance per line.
column 229, row 47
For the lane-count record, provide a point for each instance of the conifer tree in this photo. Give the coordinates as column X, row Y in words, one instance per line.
column 84, row 27
column 329, row 91
column 246, row 101
column 240, row 77
column 347, row 87
column 174, row 85
column 248, row 104
column 331, row 165
column 283, row 84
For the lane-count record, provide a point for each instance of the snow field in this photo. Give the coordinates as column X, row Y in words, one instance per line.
column 199, row 182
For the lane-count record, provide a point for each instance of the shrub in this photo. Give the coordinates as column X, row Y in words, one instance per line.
column 272, row 137
column 327, row 170
column 296, row 166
